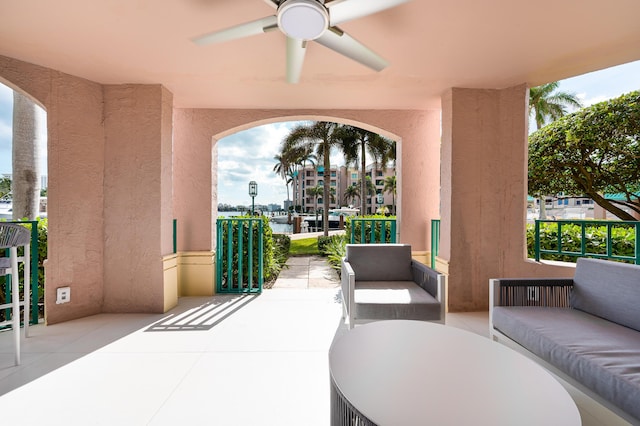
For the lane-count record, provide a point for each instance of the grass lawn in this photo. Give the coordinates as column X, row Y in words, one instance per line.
column 304, row 247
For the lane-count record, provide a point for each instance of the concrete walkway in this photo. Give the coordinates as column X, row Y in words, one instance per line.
column 307, row 272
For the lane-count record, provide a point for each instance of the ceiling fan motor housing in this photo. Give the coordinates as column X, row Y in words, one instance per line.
column 303, row 19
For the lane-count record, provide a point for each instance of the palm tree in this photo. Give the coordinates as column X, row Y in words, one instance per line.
column 390, row 187
column 546, row 103
column 300, row 157
column 25, row 179
column 318, row 137
column 351, row 193
column 357, row 143
column 283, row 169
column 370, row 189
column 5, row 186
column 314, row 192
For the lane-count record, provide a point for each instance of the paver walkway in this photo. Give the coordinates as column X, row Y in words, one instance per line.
column 307, row 272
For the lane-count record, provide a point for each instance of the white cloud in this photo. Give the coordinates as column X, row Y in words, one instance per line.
column 588, row 101
column 246, row 156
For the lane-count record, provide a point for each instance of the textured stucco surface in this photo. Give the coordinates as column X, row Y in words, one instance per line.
column 134, row 214
column 75, row 168
column 484, row 193
column 123, row 163
column 195, row 130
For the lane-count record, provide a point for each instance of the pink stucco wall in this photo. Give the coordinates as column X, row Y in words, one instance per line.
column 195, row 130
column 75, row 169
column 123, row 163
column 110, row 190
column 484, row 157
column 138, row 208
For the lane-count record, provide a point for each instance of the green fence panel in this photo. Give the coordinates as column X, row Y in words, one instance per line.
column 372, row 231
column 239, row 255
column 435, row 241
column 34, row 249
column 584, row 250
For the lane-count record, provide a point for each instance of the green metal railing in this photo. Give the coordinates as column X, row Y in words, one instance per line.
column 435, row 241
column 584, row 250
column 34, row 271
column 175, row 236
column 239, row 255
column 373, row 230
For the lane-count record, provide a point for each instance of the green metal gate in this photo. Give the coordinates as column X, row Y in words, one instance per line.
column 239, row 255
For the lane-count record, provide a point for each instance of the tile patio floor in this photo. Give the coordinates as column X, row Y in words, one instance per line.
column 226, row 360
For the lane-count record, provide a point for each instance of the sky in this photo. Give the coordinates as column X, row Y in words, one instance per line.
column 248, row 155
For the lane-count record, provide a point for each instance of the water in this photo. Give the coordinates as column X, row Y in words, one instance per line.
column 278, row 228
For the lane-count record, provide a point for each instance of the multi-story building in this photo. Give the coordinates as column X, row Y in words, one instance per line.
column 311, row 177
column 341, row 178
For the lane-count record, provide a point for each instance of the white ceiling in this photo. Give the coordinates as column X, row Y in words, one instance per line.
column 431, row 45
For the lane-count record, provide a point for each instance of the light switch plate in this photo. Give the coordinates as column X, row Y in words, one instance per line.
column 63, row 295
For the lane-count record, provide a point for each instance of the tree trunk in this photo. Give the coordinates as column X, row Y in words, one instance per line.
column 327, row 187
column 611, row 207
column 27, row 125
column 542, row 214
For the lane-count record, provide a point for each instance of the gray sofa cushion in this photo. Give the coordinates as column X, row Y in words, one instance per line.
column 602, row 355
column 610, row 290
column 394, row 300
column 380, row 262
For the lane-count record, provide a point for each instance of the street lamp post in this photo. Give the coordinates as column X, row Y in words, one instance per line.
column 253, row 192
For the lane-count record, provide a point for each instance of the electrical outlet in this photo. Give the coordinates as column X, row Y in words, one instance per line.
column 533, row 294
column 63, row 295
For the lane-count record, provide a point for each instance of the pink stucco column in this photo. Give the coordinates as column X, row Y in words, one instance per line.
column 193, row 189
column 483, row 190
column 137, row 196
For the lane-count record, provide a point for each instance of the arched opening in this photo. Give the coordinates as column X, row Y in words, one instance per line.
column 23, row 181
column 244, row 133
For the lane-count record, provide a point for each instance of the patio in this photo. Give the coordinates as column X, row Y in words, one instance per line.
column 226, row 360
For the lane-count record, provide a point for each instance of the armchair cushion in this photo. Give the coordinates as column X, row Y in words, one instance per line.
column 371, row 263
column 394, row 300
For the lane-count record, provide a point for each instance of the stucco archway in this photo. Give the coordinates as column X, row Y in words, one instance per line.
column 197, row 131
column 217, row 139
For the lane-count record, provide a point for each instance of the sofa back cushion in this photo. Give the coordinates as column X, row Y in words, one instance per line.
column 380, row 262
column 610, row 290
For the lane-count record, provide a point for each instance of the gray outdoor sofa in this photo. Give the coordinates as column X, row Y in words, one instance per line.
column 585, row 329
column 383, row 282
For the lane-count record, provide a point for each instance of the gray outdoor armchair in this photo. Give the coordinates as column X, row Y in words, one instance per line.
column 382, row 282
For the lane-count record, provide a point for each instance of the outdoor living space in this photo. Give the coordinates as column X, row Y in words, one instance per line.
column 224, row 360
column 135, row 107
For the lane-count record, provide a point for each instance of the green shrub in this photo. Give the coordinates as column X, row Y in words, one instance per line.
column 322, row 244
column 335, row 250
column 622, row 240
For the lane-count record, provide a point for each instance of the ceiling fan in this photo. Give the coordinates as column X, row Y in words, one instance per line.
column 311, row 20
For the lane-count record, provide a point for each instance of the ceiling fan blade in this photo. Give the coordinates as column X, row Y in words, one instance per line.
column 239, row 31
column 343, row 43
column 272, row 3
column 295, row 58
column 346, row 10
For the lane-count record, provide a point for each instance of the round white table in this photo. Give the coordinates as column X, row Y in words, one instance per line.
column 414, row 373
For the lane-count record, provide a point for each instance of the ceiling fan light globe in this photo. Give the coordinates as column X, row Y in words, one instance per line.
column 303, row 19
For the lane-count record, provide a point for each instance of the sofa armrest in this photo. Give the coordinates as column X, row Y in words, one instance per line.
column 348, row 284
column 431, row 281
column 547, row 292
